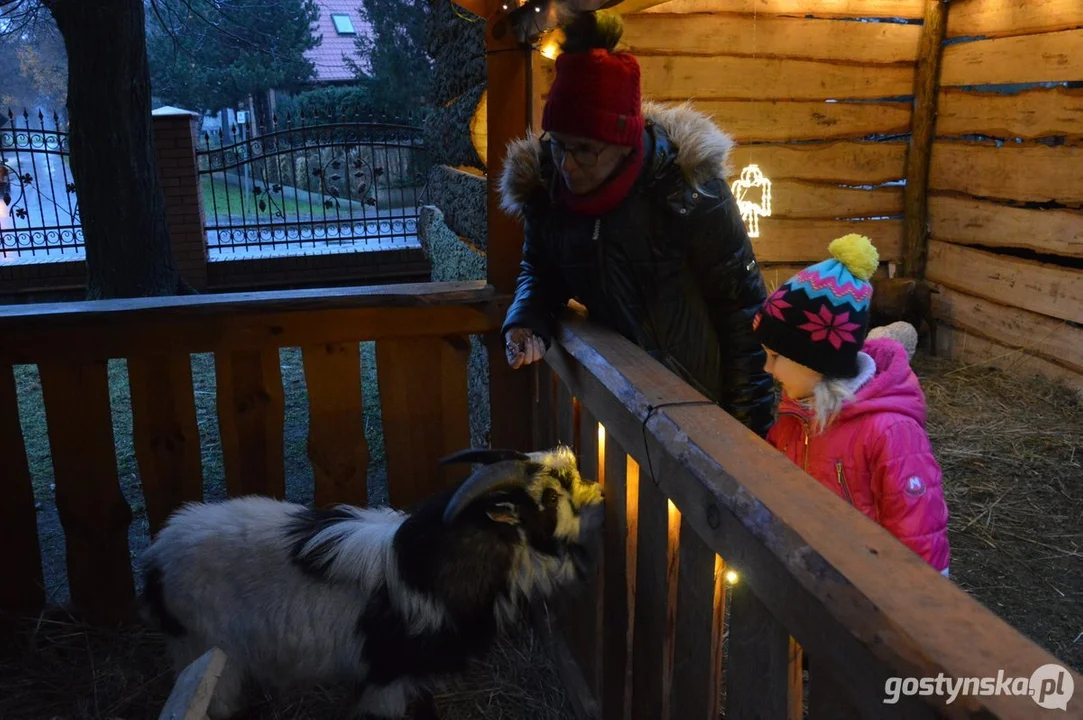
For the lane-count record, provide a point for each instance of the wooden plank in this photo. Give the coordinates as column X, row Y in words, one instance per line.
column 584, row 705
column 102, row 329
column 695, row 687
column 836, row 580
column 850, row 163
column 544, row 426
column 816, row 201
column 651, row 599
column 194, row 688
column 1048, row 57
column 1033, row 173
column 718, row 631
column 806, row 241
column 251, row 421
column 567, row 418
column 425, row 408
column 509, row 111
column 337, row 447
column 93, row 512
column 910, row 9
column 974, row 222
column 763, row 78
column 757, row 676
column 669, row 645
column 1026, row 284
column 775, row 275
column 926, row 88
column 1055, row 340
column 165, row 434
column 973, row 350
column 22, row 587
column 795, row 682
column 583, row 622
column 996, row 18
column 1031, row 114
column 747, row 35
column 827, row 696
column 780, row 120
column 618, row 573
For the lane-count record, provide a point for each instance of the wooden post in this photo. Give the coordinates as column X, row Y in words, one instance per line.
column 922, row 134
column 509, row 114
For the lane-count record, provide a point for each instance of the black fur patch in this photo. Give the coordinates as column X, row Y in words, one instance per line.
column 154, row 597
column 303, row 526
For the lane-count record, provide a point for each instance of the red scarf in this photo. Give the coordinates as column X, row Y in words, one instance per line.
column 610, row 194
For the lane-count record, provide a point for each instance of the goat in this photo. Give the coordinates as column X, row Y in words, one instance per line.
column 388, row 601
column 905, row 299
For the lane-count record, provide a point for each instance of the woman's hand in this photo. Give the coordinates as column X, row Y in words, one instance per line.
column 522, row 347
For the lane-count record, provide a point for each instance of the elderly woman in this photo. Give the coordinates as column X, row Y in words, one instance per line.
column 626, row 209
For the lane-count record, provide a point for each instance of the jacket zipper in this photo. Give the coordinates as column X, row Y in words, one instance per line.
column 804, row 424
column 842, row 482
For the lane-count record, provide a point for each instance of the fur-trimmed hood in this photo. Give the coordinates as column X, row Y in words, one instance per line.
column 702, row 154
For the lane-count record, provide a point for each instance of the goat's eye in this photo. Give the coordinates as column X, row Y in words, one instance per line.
column 550, row 497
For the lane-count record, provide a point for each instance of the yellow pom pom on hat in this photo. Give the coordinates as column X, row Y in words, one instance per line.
column 820, row 316
column 857, row 253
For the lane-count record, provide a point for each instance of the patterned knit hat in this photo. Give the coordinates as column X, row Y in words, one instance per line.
column 820, row 316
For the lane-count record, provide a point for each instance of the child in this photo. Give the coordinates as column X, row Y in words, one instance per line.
column 852, row 412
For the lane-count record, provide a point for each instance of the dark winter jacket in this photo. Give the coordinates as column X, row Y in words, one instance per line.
column 671, row 268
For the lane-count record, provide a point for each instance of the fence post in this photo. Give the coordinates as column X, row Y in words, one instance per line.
column 175, row 133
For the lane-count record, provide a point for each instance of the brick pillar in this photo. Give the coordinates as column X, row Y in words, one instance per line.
column 175, row 133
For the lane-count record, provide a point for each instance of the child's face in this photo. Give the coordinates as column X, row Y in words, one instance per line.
column 797, row 381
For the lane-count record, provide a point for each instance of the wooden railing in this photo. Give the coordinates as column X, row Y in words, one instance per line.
column 693, row 496
column 421, row 351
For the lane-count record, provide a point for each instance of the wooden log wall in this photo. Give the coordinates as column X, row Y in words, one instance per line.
column 420, row 334
column 819, row 100
column 1006, row 187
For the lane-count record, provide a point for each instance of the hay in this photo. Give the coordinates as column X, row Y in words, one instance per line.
column 1011, row 449
column 57, row 669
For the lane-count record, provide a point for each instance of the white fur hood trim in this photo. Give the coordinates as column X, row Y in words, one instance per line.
column 703, row 153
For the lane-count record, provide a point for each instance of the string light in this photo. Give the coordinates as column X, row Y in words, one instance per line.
column 731, row 577
column 752, row 178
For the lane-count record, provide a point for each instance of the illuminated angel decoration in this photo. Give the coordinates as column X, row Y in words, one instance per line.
column 752, row 178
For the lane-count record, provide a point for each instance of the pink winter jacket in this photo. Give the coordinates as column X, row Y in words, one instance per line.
column 876, row 454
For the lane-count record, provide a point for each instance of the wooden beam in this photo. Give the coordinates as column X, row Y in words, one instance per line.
column 909, row 9
column 509, row 108
column 926, row 89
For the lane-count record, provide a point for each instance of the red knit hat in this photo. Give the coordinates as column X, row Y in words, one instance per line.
column 596, row 95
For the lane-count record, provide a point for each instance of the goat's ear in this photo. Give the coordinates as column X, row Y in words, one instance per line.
column 503, row 512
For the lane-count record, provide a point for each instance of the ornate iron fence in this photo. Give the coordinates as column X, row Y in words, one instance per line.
column 312, row 183
column 39, row 211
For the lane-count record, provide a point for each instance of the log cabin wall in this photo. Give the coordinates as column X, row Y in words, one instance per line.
column 1006, row 186
column 816, row 94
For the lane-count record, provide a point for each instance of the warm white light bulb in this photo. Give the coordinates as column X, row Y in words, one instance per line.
column 731, row 577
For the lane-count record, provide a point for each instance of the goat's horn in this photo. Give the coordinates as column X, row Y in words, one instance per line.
column 504, row 475
column 485, row 456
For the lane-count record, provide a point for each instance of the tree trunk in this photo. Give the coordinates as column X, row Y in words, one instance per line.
column 113, row 160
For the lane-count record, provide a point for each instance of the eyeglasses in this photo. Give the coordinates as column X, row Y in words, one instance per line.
column 584, row 157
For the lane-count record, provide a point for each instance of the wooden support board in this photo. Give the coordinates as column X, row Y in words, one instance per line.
column 770, row 36
column 425, row 409
column 757, row 676
column 93, row 512
column 971, row 350
column 337, row 447
column 843, row 162
column 1030, row 114
column 1034, row 173
column 910, row 9
column 651, row 602
column 251, row 420
column 751, row 121
column 22, row 584
column 621, row 508
column 165, row 434
column 806, row 241
column 968, row 221
column 995, row 18
column 1048, row 57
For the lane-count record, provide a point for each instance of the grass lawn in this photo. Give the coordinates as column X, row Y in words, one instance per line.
column 223, row 199
column 299, row 481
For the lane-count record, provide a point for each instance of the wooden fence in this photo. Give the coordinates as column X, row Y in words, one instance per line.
column 1006, row 186
column 421, row 351
column 692, row 496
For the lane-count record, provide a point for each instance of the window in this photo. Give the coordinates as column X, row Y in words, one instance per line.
column 343, row 24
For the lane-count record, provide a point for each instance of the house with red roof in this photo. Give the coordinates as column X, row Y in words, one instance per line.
column 340, row 23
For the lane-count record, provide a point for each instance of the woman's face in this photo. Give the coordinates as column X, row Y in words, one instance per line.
column 798, row 381
column 585, row 164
